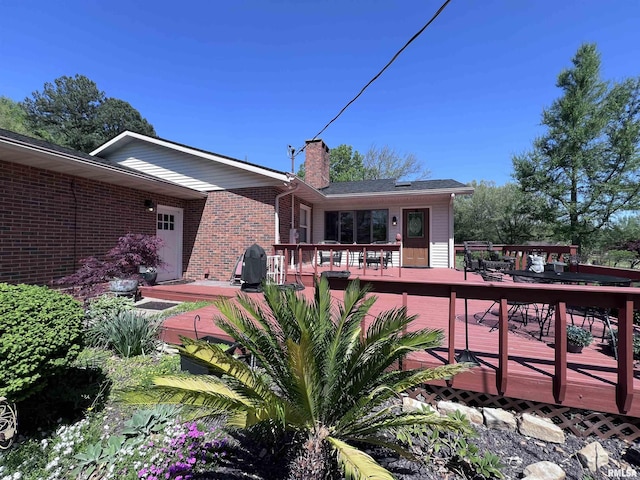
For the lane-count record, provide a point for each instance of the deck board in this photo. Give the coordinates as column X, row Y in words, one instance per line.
column 591, row 375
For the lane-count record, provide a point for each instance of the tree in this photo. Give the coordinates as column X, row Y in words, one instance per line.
column 347, row 164
column 72, row 112
column 386, row 162
column 586, row 168
column 327, row 383
column 13, row 117
column 114, row 116
column 495, row 214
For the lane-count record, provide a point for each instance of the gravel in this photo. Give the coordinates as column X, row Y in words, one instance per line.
column 251, row 461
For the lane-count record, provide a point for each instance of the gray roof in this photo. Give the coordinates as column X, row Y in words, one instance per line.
column 389, row 185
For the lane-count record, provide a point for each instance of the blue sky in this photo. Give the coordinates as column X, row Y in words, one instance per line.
column 247, row 78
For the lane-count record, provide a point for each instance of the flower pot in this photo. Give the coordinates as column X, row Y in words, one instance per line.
column 150, row 277
column 574, row 347
column 123, row 285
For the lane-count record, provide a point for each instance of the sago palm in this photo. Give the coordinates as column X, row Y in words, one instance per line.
column 327, row 381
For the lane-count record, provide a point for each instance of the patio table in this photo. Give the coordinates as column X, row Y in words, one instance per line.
column 575, row 278
column 571, row 277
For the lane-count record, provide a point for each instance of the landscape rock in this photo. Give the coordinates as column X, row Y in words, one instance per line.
column 540, row 428
column 593, row 456
column 412, row 405
column 499, row 419
column 544, row 471
column 473, row 415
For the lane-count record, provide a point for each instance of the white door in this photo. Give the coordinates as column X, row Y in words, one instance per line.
column 169, row 229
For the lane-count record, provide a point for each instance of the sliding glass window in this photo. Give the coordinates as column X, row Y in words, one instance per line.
column 356, row 226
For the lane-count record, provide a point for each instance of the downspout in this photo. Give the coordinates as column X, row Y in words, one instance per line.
column 452, row 246
column 277, row 209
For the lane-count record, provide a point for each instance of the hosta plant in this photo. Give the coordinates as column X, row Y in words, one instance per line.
column 326, row 382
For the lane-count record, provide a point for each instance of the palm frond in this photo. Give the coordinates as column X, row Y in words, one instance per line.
column 305, row 377
column 357, row 464
column 214, row 357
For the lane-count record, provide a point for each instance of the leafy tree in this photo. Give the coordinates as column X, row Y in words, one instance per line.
column 114, row 116
column 13, row 117
column 386, row 162
column 72, row 112
column 586, row 168
column 347, row 164
column 495, row 214
column 327, row 383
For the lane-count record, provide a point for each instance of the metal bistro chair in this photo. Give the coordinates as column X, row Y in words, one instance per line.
column 327, row 256
column 373, row 257
column 514, row 307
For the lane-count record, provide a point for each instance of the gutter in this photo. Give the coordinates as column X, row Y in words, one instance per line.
column 291, row 191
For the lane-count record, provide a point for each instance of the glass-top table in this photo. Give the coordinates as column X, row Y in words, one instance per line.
column 571, row 277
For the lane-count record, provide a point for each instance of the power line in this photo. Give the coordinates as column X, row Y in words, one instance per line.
column 393, row 59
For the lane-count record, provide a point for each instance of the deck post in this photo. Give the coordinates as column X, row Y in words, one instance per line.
column 451, row 354
column 405, row 302
column 560, row 362
column 625, row 357
column 503, row 347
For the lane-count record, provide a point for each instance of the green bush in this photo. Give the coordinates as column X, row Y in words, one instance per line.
column 579, row 336
column 40, row 336
column 128, row 333
column 105, row 307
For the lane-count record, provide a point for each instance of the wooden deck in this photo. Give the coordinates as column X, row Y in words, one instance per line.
column 514, row 362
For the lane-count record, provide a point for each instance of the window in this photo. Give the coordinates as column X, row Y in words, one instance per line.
column 166, row 222
column 356, row 226
column 305, row 224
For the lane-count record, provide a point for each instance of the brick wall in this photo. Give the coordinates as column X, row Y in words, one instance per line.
column 49, row 221
column 230, row 222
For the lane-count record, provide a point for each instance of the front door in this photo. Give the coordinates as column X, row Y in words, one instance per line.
column 169, row 229
column 415, row 237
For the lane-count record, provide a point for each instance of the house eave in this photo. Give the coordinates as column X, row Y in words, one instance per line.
column 16, row 151
column 409, row 194
column 126, row 137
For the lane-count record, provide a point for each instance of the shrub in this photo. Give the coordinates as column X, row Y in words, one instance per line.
column 128, row 333
column 104, row 307
column 579, row 336
column 40, row 336
column 123, row 261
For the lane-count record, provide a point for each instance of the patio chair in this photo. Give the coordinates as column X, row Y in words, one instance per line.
column 327, row 256
column 373, row 257
column 521, row 308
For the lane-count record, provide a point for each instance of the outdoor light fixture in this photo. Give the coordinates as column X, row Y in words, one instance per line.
column 148, row 204
column 394, row 221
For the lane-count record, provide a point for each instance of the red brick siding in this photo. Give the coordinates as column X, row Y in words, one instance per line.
column 230, row 222
column 49, row 221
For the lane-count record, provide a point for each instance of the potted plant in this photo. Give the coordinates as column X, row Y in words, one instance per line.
column 577, row 338
column 123, row 267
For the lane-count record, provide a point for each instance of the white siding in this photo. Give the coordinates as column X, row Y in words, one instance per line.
column 440, row 235
column 184, row 169
column 439, row 225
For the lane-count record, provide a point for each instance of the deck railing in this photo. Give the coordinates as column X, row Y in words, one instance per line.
column 622, row 299
column 551, row 253
column 307, row 253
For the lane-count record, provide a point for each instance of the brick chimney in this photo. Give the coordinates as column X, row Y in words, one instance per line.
column 316, row 163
